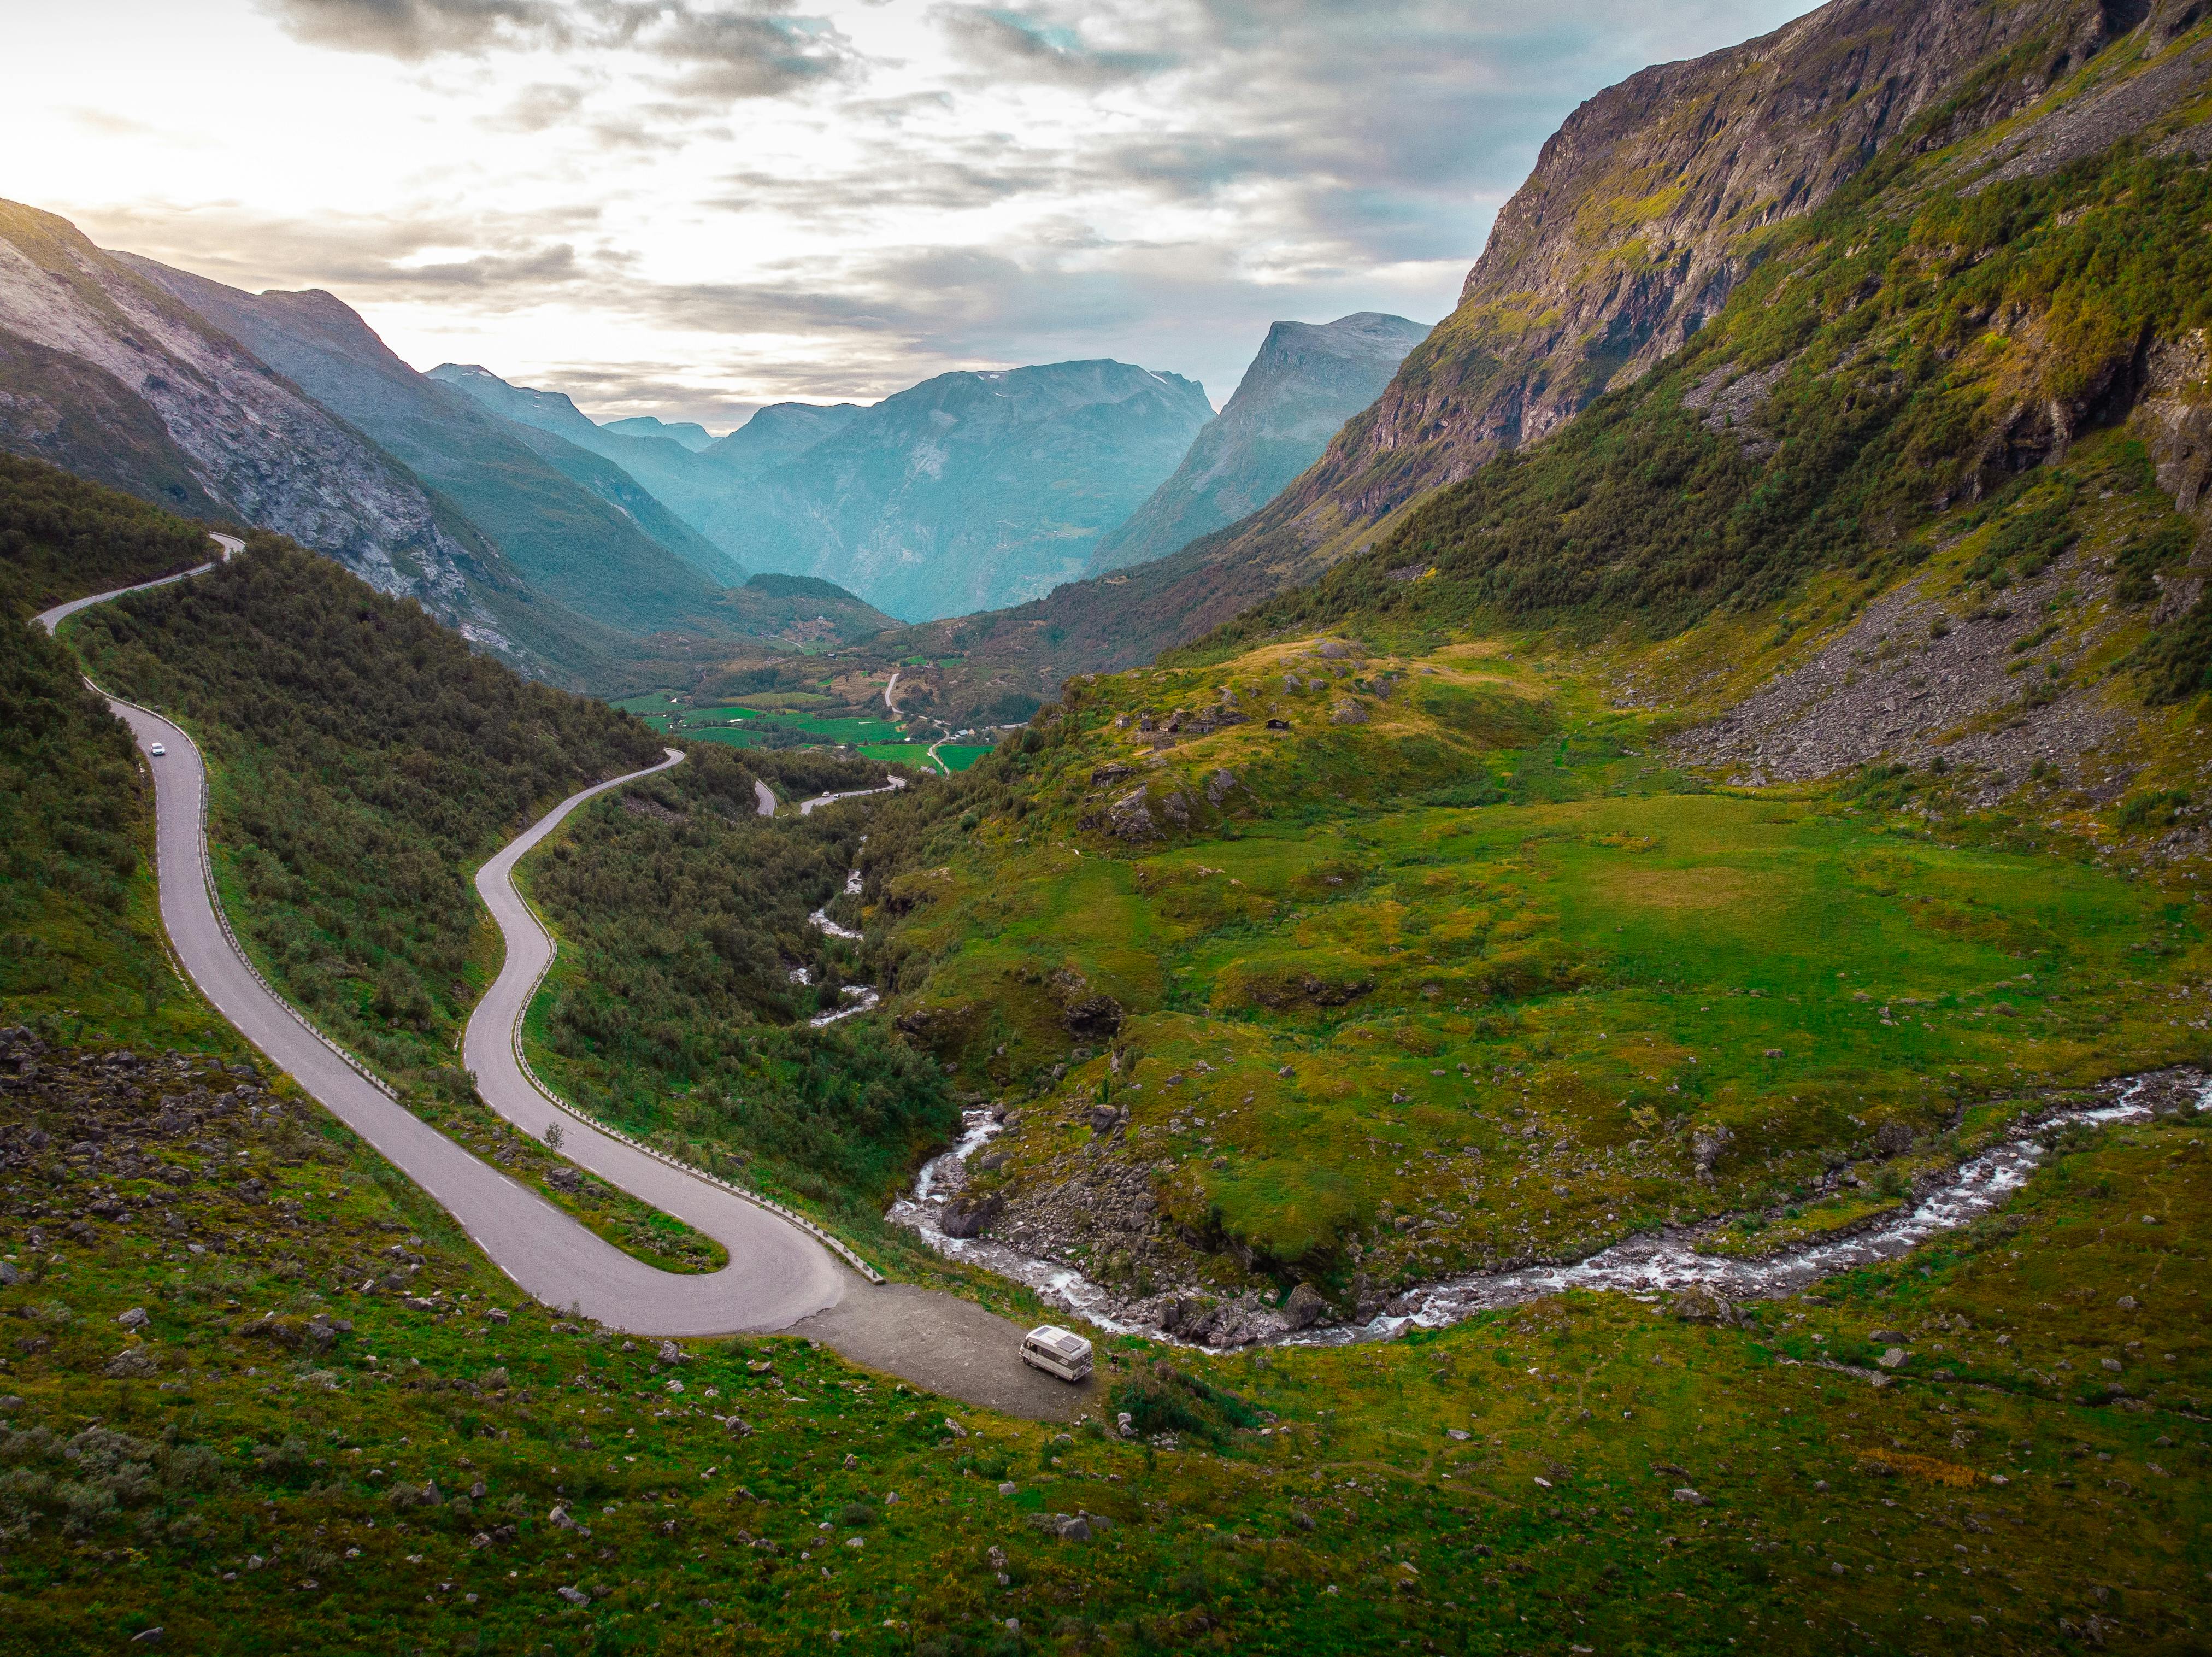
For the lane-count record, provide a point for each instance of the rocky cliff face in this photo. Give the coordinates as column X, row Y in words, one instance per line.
column 1645, row 212
column 565, row 529
column 1307, row 381
column 109, row 373
column 1646, row 209
column 971, row 490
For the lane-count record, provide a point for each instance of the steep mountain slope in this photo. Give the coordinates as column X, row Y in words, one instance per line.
column 1307, row 381
column 969, row 490
column 111, row 375
column 645, row 477
column 1439, row 916
column 780, row 432
column 571, row 544
column 619, row 488
column 681, row 481
column 1654, row 202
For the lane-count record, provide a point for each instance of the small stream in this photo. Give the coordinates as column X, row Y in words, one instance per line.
column 1646, row 1264
column 864, row 997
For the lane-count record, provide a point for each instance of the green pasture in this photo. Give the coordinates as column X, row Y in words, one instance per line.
column 959, row 756
column 425, row 1466
column 895, row 754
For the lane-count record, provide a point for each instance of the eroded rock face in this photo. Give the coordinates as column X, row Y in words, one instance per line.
column 1771, row 129
column 1131, row 817
column 195, row 406
column 2174, row 420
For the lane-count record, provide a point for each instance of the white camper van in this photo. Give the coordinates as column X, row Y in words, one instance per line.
column 1055, row 1351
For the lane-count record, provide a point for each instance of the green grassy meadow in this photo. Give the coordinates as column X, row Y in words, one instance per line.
column 1515, row 1017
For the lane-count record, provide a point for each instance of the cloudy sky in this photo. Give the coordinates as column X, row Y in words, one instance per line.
column 690, row 207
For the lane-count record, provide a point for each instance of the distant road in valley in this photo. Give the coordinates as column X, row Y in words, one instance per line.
column 779, row 1277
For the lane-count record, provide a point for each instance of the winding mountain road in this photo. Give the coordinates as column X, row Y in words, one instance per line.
column 778, row 1276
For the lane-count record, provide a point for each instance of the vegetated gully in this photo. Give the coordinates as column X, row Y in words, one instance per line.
column 1665, row 1263
column 779, row 1278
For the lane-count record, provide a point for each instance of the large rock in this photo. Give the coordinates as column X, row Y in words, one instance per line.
column 1098, row 1016
column 1304, row 1307
column 971, row 1216
column 1131, row 817
column 1189, row 1318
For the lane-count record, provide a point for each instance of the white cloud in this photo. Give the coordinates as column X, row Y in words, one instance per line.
column 686, row 207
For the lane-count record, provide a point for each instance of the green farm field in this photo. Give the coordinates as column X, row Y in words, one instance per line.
column 959, row 756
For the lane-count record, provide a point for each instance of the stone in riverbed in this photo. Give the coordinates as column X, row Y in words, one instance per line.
column 1304, row 1307
column 971, row 1216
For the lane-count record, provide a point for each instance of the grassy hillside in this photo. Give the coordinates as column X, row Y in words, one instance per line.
column 287, row 1452
column 60, row 539
column 1483, row 977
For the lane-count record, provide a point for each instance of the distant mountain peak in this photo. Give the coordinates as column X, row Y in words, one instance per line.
column 978, row 487
column 1307, row 381
column 685, row 434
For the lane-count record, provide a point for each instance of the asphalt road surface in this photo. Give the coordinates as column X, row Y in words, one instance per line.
column 779, row 1277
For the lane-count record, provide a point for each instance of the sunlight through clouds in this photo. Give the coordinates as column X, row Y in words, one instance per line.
column 686, row 209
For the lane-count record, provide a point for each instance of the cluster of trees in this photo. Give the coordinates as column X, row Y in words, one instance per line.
column 1894, row 402
column 74, row 811
column 78, row 937
column 682, row 914
column 62, row 537
column 364, row 761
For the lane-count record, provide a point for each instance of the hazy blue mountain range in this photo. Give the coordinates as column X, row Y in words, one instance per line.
column 689, row 434
column 285, row 412
column 1308, row 380
column 675, row 479
column 971, row 490
column 780, row 432
column 570, row 541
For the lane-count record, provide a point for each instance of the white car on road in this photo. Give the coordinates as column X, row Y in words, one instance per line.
column 1057, row 1352
column 157, row 750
